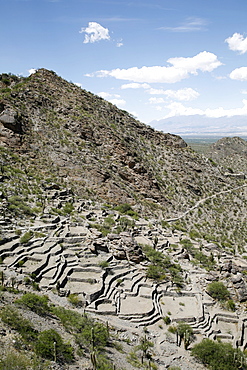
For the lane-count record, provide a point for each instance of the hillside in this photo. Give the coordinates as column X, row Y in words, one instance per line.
column 230, row 152
column 63, row 134
column 123, row 226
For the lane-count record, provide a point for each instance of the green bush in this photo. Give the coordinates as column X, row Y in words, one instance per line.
column 194, row 234
column 167, row 320
column 217, row 290
column 19, row 361
column 126, row 209
column 125, row 224
column 51, row 346
column 156, row 272
column 18, row 205
column 230, row 305
column 82, row 327
column 93, row 333
column 74, row 299
column 26, row 237
column 14, row 320
column 219, row 356
column 71, row 320
column 161, row 266
column 36, row 303
column 105, row 229
column 67, row 208
column 104, row 264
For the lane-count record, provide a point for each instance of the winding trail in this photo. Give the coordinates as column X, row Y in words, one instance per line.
column 202, row 201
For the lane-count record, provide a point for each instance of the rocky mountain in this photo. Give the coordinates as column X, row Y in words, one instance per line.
column 115, row 238
column 230, row 152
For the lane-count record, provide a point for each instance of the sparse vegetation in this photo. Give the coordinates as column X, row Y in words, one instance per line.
column 161, row 267
column 81, row 153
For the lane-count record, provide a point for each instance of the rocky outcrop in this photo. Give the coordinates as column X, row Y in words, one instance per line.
column 10, row 127
column 240, row 286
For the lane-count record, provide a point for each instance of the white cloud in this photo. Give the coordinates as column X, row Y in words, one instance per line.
column 119, row 43
column 181, row 68
column 185, row 94
column 78, row 84
column 244, row 92
column 178, row 109
column 32, row 71
column 204, row 61
column 239, row 74
column 118, row 102
column 95, row 32
column 104, row 95
column 237, row 42
column 191, row 24
column 156, row 100
column 135, row 85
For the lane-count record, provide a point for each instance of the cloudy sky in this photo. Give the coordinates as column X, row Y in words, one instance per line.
column 153, row 58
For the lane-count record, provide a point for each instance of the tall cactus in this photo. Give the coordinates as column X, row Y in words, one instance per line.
column 94, row 360
column 2, row 277
column 92, row 338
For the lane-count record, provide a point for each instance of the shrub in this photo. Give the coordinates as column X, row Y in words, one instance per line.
column 194, row 234
column 18, row 205
column 82, row 327
column 93, row 333
column 155, row 272
column 125, row 224
column 219, row 356
column 218, row 291
column 230, row 305
column 104, row 229
column 126, row 209
column 51, row 346
column 36, row 303
column 19, row 361
column 14, row 320
column 21, row 263
column 161, row 266
column 74, row 299
column 26, row 237
column 67, row 208
column 71, row 320
column 104, row 264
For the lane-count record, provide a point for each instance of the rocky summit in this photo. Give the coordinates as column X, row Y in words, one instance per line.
column 120, row 246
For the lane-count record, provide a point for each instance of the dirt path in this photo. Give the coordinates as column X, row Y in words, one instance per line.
column 202, row 201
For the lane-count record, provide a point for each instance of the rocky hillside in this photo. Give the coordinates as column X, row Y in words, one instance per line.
column 59, row 133
column 112, row 237
column 230, row 152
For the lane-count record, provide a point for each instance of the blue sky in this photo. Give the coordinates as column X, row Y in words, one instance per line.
column 153, row 58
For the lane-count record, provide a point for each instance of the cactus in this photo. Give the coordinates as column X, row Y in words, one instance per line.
column 2, row 277
column 92, row 338
column 94, row 360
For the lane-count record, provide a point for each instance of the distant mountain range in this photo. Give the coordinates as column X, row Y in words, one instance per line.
column 197, row 125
